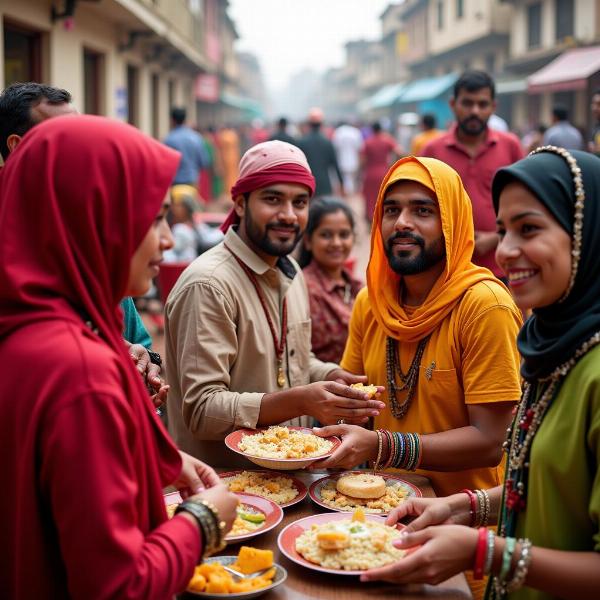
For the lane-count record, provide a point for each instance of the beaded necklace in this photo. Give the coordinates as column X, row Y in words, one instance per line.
column 409, row 379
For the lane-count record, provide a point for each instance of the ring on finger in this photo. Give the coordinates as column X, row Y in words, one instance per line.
column 340, row 422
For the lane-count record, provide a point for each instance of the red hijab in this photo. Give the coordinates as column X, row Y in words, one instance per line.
column 77, row 198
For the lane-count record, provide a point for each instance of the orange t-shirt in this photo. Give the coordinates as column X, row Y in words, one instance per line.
column 471, row 358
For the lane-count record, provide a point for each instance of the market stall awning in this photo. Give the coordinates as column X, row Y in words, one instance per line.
column 384, row 97
column 250, row 107
column 510, row 86
column 569, row 71
column 428, row 89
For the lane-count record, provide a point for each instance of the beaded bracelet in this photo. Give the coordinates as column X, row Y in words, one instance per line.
column 207, row 524
column 390, row 449
column 489, row 559
column 522, row 567
column 480, row 554
column 472, row 504
column 379, row 450
column 507, row 555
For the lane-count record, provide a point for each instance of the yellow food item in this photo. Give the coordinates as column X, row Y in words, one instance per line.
column 361, row 485
column 394, row 495
column 212, row 578
column 368, row 389
column 250, row 560
column 359, row 515
column 333, row 540
column 278, row 488
column 280, row 442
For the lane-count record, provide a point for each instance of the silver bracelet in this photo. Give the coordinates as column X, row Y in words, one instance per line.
column 489, row 557
column 522, row 567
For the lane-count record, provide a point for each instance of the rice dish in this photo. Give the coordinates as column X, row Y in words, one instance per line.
column 281, row 442
column 349, row 545
column 279, row 489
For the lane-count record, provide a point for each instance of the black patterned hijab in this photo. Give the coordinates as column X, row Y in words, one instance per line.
column 552, row 334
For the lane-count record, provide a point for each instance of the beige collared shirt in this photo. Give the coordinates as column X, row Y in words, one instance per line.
column 220, row 356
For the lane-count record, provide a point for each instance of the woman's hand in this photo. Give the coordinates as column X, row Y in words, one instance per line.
column 195, row 476
column 452, row 510
column 358, row 445
column 224, row 501
column 444, row 551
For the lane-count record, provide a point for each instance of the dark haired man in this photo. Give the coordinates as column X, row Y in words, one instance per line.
column 282, row 134
column 237, row 322
column 24, row 105
column 476, row 152
column 562, row 133
column 194, row 157
column 429, row 132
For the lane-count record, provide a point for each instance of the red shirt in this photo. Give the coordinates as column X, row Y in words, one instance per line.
column 330, row 310
column 499, row 150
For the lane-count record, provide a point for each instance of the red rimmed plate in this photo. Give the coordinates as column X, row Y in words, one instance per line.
column 233, row 440
column 273, row 515
column 288, row 536
column 298, row 485
column 315, row 490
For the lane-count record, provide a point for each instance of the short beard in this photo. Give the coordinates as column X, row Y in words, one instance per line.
column 466, row 130
column 261, row 239
column 428, row 257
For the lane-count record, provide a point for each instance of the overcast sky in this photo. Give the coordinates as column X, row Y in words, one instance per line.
column 289, row 35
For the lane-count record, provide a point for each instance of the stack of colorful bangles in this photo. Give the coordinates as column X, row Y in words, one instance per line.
column 484, row 556
column 403, row 450
column 211, row 526
column 479, row 507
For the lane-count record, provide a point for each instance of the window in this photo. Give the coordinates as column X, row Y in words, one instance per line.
column 460, row 9
column 22, row 54
column 92, row 82
column 133, row 82
column 440, row 15
column 171, row 93
column 565, row 19
column 534, row 25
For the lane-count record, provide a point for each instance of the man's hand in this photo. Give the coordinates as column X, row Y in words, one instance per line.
column 195, row 476
column 485, row 241
column 358, row 445
column 345, row 377
column 329, row 402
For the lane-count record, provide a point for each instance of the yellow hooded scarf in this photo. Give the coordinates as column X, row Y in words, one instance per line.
column 460, row 273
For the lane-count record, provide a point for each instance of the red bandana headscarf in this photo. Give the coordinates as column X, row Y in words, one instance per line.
column 268, row 163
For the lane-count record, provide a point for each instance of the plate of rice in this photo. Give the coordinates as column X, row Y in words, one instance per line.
column 278, row 487
column 255, row 515
column 341, row 543
column 389, row 492
column 281, row 447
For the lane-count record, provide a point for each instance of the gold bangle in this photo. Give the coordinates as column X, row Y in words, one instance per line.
column 379, row 450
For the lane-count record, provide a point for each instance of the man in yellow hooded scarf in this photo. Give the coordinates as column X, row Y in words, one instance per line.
column 438, row 331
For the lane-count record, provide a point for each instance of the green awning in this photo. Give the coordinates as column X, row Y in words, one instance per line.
column 247, row 105
column 384, row 97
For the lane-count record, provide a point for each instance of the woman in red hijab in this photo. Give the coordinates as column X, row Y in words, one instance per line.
column 84, row 456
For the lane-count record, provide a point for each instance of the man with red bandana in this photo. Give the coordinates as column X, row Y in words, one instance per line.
column 237, row 322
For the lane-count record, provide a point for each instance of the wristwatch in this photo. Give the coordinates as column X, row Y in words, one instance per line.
column 155, row 358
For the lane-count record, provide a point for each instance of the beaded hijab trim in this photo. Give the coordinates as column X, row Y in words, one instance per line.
column 578, row 216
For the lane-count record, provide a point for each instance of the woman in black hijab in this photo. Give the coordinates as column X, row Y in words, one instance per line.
column 548, row 511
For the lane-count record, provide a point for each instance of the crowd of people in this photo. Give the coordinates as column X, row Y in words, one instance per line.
column 467, row 238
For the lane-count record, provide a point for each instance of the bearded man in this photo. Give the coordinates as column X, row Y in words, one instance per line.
column 476, row 152
column 237, row 322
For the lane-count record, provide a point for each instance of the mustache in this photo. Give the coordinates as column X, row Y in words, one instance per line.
column 295, row 228
column 472, row 119
column 407, row 235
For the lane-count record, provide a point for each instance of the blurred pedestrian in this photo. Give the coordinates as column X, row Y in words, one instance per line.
column 561, row 133
column 86, row 456
column 429, row 132
column 320, row 153
column 281, row 133
column 476, row 152
column 191, row 146
column 348, row 141
column 326, row 246
column 377, row 155
column 229, row 147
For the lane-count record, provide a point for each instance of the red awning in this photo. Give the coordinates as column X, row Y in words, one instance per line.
column 569, row 71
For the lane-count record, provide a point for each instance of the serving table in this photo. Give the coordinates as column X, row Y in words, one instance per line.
column 306, row 583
